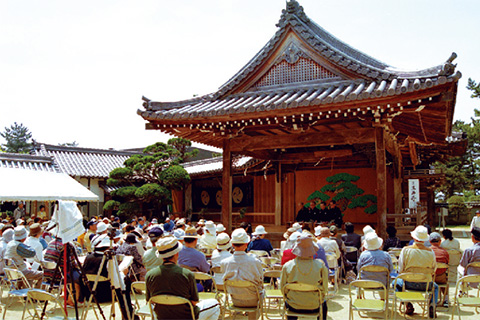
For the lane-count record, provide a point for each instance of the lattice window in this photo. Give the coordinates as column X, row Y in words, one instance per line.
column 300, row 71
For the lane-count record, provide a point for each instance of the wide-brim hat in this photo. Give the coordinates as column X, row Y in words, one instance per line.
column 19, row 233
column 101, row 227
column 289, row 231
column 223, row 241
column 367, row 229
column 240, row 236
column 191, row 232
column 167, row 247
column 420, row 233
column 220, row 227
column 372, row 241
column 35, row 229
column 318, row 230
column 297, row 226
column 324, row 232
column 210, row 227
column 259, row 230
column 305, row 247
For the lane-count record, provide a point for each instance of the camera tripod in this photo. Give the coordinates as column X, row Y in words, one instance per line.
column 115, row 279
column 69, row 255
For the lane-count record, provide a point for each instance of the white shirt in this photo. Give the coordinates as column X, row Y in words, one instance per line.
column 35, row 244
column 217, row 257
column 330, row 246
column 475, row 222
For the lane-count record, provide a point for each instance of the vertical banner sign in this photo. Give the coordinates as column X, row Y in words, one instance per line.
column 413, row 193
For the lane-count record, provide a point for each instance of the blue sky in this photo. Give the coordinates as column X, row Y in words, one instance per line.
column 73, row 70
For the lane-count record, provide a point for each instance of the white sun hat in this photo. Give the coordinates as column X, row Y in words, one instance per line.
column 372, row 241
column 240, row 236
column 101, row 227
column 367, row 229
column 259, row 230
column 223, row 241
column 420, row 233
column 210, row 227
column 297, row 226
column 167, row 247
column 220, row 228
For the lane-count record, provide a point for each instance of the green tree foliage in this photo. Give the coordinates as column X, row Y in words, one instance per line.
column 462, row 173
column 150, row 177
column 456, row 206
column 18, row 138
column 346, row 193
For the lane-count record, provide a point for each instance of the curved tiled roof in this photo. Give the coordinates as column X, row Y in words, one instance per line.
column 84, row 162
column 372, row 78
column 27, row 161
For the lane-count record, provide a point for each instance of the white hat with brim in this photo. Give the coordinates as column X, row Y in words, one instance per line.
column 259, row 230
column 19, row 233
column 210, row 227
column 367, row 229
column 101, row 227
column 240, row 236
column 223, row 241
column 168, row 247
column 420, row 233
column 297, row 226
column 305, row 247
column 318, row 230
column 220, row 227
column 372, row 241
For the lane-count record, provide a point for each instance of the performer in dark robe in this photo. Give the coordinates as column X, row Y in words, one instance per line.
column 335, row 214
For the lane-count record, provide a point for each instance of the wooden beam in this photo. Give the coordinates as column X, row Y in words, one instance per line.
column 298, row 156
column 381, row 181
column 227, row 186
column 278, row 195
column 300, row 140
column 413, row 153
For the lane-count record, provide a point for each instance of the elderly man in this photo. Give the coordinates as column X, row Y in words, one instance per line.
column 374, row 256
column 150, row 259
column 19, row 212
column 471, row 254
column 441, row 255
column 243, row 267
column 189, row 257
column 417, row 258
column 171, row 279
column 259, row 242
column 33, row 241
column 305, row 269
column 17, row 251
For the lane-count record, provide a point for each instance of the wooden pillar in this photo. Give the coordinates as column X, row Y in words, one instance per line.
column 381, row 182
column 188, row 198
column 227, row 186
column 397, row 197
column 278, row 195
column 431, row 215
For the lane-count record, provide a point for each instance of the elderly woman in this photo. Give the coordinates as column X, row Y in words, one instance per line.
column 129, row 248
column 305, row 269
column 222, row 252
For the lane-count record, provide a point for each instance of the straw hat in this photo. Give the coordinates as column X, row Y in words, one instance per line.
column 101, row 227
column 210, row 227
column 220, row 228
column 167, row 247
column 223, row 241
column 240, row 236
column 35, row 229
column 372, row 241
column 367, row 229
column 19, row 233
column 305, row 247
column 259, row 230
column 191, row 232
column 420, row 233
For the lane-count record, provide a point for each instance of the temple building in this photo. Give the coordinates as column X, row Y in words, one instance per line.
column 318, row 120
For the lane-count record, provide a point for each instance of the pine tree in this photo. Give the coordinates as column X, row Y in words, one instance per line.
column 18, row 138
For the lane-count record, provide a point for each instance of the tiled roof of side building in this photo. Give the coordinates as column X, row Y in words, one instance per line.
column 84, row 162
column 214, row 165
column 27, row 161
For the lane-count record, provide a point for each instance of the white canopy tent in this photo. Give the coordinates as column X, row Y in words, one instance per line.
column 30, row 185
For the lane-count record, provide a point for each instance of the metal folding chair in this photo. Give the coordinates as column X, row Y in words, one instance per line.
column 241, row 284
column 141, row 311
column 169, row 300
column 303, row 288
column 420, row 297
column 443, row 288
column 466, row 299
column 16, row 279
column 42, row 296
column 364, row 304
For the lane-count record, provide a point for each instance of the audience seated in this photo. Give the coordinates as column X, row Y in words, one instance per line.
column 150, row 258
column 305, row 269
column 221, row 253
column 209, row 238
column 441, row 255
column 471, row 254
column 259, row 242
column 392, row 241
column 189, row 257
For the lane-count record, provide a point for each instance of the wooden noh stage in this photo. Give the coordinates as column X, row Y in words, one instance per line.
column 310, row 110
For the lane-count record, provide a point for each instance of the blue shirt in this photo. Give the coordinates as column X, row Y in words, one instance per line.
column 321, row 255
column 193, row 258
column 375, row 258
column 260, row 244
